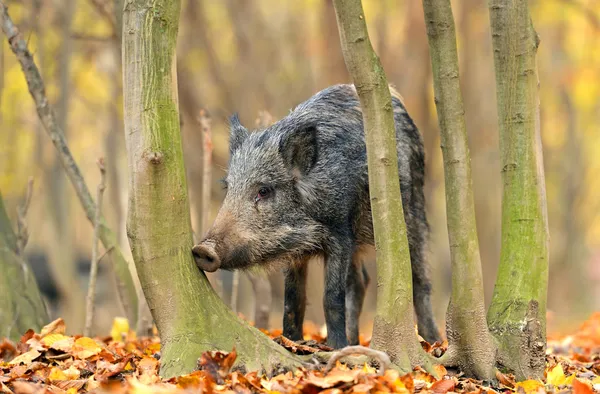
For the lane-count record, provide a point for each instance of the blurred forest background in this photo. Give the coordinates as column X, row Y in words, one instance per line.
column 251, row 55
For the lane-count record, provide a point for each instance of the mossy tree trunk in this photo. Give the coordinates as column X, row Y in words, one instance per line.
column 393, row 330
column 471, row 346
column 189, row 315
column 21, row 305
column 517, row 314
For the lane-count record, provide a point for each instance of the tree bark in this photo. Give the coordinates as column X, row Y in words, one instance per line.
column 21, row 305
column 393, row 329
column 517, row 314
column 47, row 116
column 471, row 346
column 62, row 261
column 189, row 315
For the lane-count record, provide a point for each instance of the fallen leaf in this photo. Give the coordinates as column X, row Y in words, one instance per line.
column 530, row 386
column 443, row 386
column 57, row 374
column 556, row 376
column 25, row 358
column 56, row 327
column 85, row 347
column 581, row 388
column 120, row 328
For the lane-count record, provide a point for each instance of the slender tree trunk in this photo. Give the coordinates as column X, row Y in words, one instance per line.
column 189, row 315
column 517, row 314
column 21, row 305
column 471, row 345
column 62, row 259
column 393, row 329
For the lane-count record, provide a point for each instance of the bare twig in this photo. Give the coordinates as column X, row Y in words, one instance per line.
column 90, row 37
column 205, row 123
column 384, row 359
column 22, row 231
column 125, row 285
column 107, row 15
column 91, row 295
column 207, row 148
column 235, row 284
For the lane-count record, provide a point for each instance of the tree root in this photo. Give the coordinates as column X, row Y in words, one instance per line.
column 381, row 357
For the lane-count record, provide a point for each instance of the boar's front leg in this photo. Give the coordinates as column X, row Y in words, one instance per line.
column 337, row 264
column 294, row 303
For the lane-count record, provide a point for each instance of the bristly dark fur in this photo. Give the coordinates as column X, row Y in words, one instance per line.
column 312, row 166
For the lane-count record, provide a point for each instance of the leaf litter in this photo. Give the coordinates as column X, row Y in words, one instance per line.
column 52, row 362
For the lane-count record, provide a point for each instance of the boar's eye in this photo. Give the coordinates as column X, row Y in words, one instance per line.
column 263, row 193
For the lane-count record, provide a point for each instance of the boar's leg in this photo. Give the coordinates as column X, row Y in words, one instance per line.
column 337, row 264
column 358, row 279
column 294, row 303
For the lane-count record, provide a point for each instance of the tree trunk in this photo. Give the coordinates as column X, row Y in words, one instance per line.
column 471, row 347
column 61, row 249
column 517, row 314
column 21, row 305
column 189, row 315
column 393, row 329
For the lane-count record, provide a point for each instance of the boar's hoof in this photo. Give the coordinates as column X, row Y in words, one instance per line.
column 206, row 258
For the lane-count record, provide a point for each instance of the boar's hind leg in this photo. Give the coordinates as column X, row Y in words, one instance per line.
column 294, row 300
column 337, row 264
column 358, row 279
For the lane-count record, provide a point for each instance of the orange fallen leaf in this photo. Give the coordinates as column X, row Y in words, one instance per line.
column 581, row 388
column 443, row 386
column 530, row 386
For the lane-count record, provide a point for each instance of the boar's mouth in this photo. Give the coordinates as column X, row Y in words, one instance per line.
column 206, row 256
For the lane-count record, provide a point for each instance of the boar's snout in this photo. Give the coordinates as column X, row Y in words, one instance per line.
column 206, row 257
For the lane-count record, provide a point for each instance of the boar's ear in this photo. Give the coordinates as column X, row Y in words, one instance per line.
column 299, row 149
column 237, row 133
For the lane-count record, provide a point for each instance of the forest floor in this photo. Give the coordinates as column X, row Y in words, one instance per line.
column 51, row 362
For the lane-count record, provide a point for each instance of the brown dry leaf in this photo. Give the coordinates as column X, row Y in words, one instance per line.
column 64, row 345
column 443, row 386
column 506, row 380
column 73, row 385
column 25, row 358
column 363, row 387
column 21, row 387
column 440, row 370
column 334, row 377
column 85, row 347
column 56, row 327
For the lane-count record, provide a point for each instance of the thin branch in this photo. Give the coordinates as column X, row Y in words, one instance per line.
column 22, row 231
column 90, row 37
column 89, row 310
column 107, row 15
column 125, row 285
column 383, row 358
column 207, row 149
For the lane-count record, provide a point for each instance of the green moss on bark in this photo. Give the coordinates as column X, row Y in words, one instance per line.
column 189, row 315
column 393, row 330
column 517, row 314
column 471, row 345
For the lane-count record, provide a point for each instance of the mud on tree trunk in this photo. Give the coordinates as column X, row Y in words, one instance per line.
column 393, row 330
column 517, row 314
column 189, row 315
column 471, row 347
